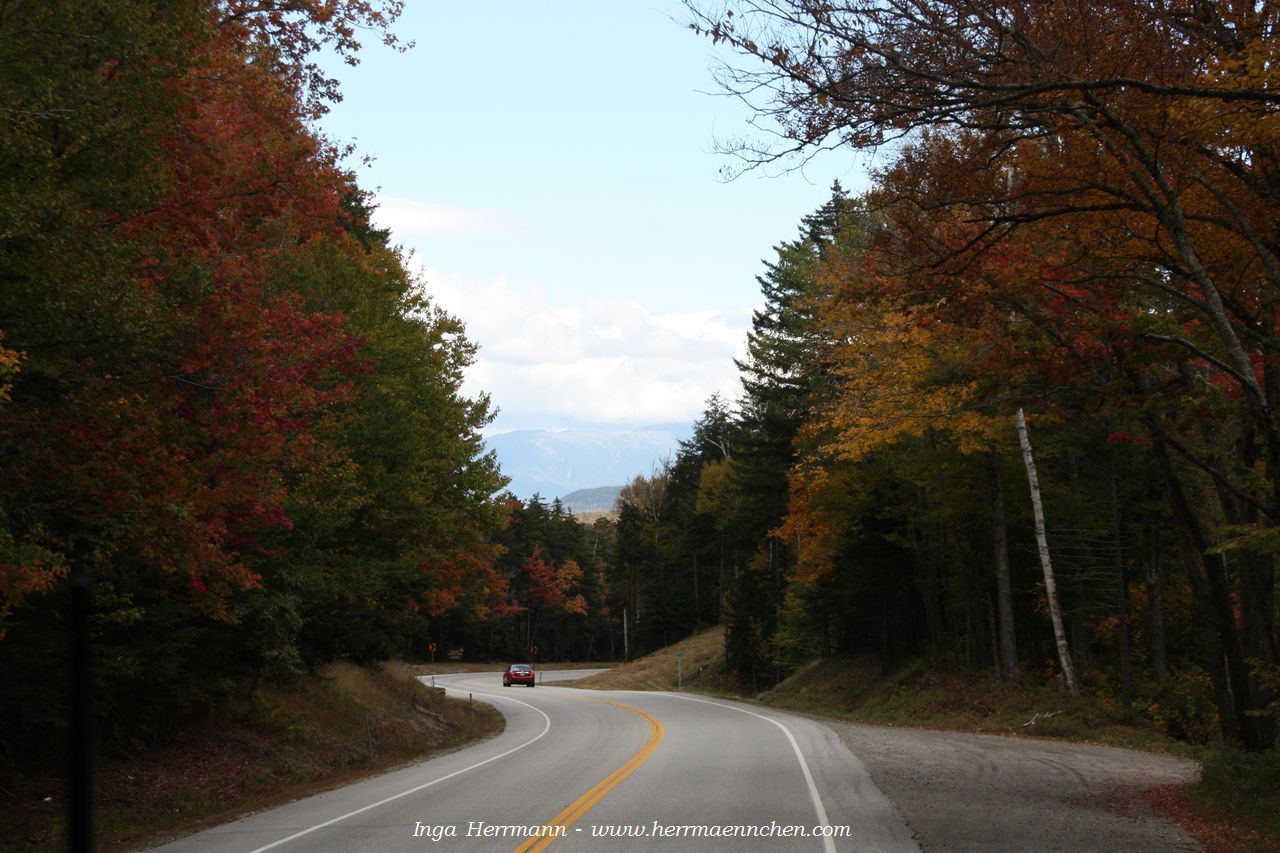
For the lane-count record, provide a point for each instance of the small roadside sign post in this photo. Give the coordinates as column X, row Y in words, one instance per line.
column 431, row 647
column 533, row 658
column 679, row 669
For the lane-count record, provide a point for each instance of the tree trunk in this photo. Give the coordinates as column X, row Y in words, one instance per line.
column 697, row 604
column 1258, row 607
column 1122, row 597
column 1215, row 660
column 1042, row 543
column 996, row 662
column 1215, row 611
column 1256, row 587
column 1008, row 655
column 1155, row 610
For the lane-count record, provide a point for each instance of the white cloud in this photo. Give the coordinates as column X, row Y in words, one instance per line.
column 604, row 361
column 408, row 218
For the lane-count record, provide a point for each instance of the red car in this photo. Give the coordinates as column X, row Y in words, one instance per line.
column 518, row 673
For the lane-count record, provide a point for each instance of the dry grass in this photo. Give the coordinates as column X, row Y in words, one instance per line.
column 917, row 695
column 702, row 664
column 934, row 697
column 280, row 744
column 451, row 667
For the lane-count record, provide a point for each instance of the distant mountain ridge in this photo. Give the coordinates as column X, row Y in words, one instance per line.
column 555, row 464
column 601, row 499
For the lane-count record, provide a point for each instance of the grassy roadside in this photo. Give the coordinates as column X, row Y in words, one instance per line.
column 915, row 695
column 1235, row 806
column 928, row 697
column 1239, row 791
column 450, row 667
column 283, row 743
column 696, row 662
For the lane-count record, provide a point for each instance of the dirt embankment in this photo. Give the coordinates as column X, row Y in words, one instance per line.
column 279, row 744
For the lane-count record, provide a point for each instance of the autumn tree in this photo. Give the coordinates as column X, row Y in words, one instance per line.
column 1146, row 123
column 780, row 375
column 555, row 570
column 218, row 357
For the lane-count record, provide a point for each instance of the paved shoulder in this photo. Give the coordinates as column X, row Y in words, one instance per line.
column 968, row 792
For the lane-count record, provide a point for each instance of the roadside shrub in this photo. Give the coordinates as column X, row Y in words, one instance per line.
column 1183, row 707
column 1243, row 783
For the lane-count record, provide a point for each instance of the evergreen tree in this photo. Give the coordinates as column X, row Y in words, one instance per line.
column 782, row 372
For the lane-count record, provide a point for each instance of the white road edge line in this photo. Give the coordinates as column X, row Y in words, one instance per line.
column 827, row 843
column 546, row 728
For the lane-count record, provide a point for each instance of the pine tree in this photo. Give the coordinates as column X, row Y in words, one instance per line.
column 780, row 375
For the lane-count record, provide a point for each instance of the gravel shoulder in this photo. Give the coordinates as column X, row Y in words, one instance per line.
column 970, row 792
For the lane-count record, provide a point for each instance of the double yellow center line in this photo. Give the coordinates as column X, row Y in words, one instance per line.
column 583, row 804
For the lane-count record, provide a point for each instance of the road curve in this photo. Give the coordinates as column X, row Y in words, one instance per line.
column 615, row 770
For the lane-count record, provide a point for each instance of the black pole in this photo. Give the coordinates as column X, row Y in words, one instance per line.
column 81, row 817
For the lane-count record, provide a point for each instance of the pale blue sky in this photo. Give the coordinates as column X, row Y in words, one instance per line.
column 552, row 166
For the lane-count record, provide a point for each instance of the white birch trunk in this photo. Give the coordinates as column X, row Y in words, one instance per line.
column 1042, row 542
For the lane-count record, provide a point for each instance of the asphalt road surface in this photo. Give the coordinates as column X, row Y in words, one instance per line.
column 599, row 771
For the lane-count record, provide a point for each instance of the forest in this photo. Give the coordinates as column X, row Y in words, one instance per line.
column 1012, row 408
column 228, row 407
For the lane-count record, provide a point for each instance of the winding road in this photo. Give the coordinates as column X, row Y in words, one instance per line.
column 600, row 771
